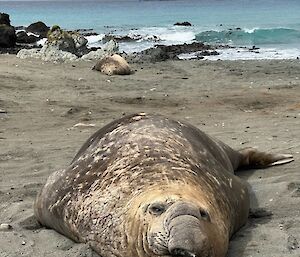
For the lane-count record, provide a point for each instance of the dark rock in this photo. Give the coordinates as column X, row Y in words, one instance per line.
column 87, row 32
column 158, row 54
column 163, row 52
column 7, row 32
column 61, row 39
column 207, row 53
column 68, row 41
column 4, row 19
column 185, row 23
column 38, row 28
column 83, row 30
column 253, row 48
column 20, row 28
column 23, row 38
column 8, row 36
column 119, row 38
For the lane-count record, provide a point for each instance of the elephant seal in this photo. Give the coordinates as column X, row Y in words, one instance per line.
column 114, row 64
column 146, row 186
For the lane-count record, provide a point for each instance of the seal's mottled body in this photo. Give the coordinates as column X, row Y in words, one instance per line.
column 103, row 196
column 114, row 64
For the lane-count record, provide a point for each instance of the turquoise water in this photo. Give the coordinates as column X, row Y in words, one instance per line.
column 258, row 37
column 264, row 23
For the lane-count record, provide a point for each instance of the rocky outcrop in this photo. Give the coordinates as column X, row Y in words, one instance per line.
column 7, row 32
column 47, row 54
column 80, row 44
column 119, row 38
column 185, row 23
column 86, row 32
column 39, row 28
column 166, row 52
column 24, row 38
column 108, row 49
column 4, row 19
column 71, row 42
column 129, row 38
column 7, row 36
column 62, row 46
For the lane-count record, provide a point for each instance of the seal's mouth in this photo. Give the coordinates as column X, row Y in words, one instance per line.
column 178, row 252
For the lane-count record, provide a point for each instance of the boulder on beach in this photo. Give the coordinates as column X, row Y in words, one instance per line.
column 7, row 32
column 24, row 38
column 8, row 36
column 60, row 39
column 39, row 28
column 80, row 43
column 185, row 23
column 47, row 54
column 62, row 46
column 108, row 49
column 29, row 53
column 113, row 65
column 67, row 41
column 160, row 53
column 4, row 19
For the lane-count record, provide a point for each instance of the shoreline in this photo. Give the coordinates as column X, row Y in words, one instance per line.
column 243, row 103
column 35, row 37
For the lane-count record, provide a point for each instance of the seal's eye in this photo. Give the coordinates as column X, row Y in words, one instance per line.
column 156, row 208
column 204, row 215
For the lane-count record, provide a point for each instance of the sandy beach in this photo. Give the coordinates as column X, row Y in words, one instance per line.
column 48, row 110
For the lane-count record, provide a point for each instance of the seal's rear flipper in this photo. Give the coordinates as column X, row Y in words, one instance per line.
column 251, row 157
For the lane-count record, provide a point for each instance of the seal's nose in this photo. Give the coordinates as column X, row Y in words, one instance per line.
column 187, row 234
column 177, row 252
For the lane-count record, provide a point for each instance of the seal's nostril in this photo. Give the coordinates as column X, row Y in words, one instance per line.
column 177, row 252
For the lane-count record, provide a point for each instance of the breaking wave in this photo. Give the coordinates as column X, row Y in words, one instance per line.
column 244, row 37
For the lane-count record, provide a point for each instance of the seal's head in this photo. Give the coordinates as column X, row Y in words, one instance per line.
column 177, row 222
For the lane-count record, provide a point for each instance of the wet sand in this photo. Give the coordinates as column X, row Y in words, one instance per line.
column 48, row 110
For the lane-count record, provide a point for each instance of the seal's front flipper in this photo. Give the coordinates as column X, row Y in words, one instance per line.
column 251, row 157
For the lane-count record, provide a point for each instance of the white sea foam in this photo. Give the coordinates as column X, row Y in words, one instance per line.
column 95, row 40
column 250, row 30
column 170, row 35
column 41, row 42
column 178, row 37
column 147, row 37
column 135, row 47
column 245, row 54
column 32, row 34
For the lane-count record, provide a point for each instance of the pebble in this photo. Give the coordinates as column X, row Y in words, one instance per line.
column 5, row 227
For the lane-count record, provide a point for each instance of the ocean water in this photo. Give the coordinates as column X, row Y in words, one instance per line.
column 271, row 25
